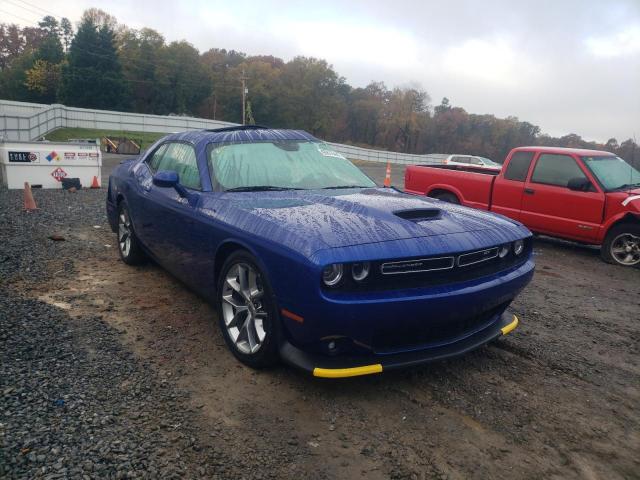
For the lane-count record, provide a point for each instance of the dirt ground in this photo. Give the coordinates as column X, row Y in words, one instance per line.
column 557, row 398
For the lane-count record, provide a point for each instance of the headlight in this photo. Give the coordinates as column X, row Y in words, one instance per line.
column 332, row 274
column 503, row 251
column 518, row 247
column 360, row 271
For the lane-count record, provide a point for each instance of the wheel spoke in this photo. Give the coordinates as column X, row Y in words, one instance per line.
column 252, row 336
column 234, row 303
column 238, row 319
column 232, row 281
column 243, row 280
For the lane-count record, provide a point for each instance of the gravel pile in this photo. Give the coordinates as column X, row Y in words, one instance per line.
column 73, row 402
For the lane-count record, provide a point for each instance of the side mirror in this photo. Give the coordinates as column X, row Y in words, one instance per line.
column 169, row 179
column 166, row 179
column 579, row 184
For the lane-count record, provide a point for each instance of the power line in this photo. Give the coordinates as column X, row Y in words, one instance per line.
column 16, row 16
column 28, row 9
column 40, row 8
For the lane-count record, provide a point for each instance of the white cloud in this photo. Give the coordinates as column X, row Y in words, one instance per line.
column 490, row 61
column 622, row 43
column 353, row 42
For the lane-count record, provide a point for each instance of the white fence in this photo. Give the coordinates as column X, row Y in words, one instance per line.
column 30, row 121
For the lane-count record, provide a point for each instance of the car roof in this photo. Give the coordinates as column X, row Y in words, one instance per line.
column 564, row 150
column 241, row 133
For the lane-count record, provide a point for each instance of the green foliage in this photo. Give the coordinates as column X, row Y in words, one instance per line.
column 92, row 76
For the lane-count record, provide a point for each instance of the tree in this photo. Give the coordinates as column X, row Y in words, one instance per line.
column 182, row 79
column 93, row 75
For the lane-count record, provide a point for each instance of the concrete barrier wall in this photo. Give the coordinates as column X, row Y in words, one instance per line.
column 30, row 121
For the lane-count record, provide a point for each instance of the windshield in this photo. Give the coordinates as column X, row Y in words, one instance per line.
column 613, row 172
column 282, row 165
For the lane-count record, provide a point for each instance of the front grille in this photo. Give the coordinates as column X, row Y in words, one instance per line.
column 430, row 332
column 432, row 271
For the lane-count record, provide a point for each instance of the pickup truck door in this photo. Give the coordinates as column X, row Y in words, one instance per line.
column 549, row 206
column 508, row 187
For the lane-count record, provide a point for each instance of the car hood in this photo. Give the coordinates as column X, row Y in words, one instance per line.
column 339, row 218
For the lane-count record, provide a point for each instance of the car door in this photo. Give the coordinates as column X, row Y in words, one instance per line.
column 172, row 226
column 549, row 206
column 508, row 186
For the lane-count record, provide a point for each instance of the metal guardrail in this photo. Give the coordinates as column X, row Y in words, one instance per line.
column 30, row 121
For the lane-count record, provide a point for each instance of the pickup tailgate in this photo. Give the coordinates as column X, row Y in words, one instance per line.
column 472, row 187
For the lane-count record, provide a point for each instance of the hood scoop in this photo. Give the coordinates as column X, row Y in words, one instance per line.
column 419, row 215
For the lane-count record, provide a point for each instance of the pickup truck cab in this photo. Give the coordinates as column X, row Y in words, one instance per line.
column 587, row 196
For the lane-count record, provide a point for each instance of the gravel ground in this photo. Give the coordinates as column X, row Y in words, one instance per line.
column 118, row 372
column 74, row 401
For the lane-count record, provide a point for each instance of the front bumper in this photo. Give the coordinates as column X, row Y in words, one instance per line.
column 351, row 366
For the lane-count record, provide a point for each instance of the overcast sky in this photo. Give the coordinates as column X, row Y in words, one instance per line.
column 567, row 66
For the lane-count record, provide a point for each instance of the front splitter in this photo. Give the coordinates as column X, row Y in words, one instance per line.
column 353, row 366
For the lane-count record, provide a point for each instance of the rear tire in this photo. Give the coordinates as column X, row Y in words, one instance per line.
column 128, row 244
column 447, row 197
column 247, row 312
column 621, row 246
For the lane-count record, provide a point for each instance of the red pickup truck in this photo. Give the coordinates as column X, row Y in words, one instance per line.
column 586, row 196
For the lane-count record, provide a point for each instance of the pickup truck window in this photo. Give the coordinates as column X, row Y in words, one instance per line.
column 552, row 169
column 613, row 172
column 519, row 166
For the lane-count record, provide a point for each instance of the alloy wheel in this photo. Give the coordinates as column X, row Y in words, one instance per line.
column 243, row 311
column 625, row 249
column 124, row 233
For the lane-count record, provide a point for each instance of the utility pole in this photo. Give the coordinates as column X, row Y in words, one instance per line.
column 243, row 79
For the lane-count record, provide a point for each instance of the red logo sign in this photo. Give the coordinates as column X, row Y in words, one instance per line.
column 59, row 174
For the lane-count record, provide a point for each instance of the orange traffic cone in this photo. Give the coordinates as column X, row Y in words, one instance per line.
column 387, row 179
column 29, row 202
column 95, row 183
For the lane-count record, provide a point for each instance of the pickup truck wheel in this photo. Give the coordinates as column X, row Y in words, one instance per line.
column 128, row 244
column 622, row 245
column 447, row 197
column 246, row 311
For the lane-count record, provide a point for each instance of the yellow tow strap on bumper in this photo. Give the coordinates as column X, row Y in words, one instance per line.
column 508, row 328
column 347, row 372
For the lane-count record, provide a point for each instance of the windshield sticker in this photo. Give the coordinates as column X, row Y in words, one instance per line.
column 330, row 153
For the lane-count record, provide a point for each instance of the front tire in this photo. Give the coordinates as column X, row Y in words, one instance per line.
column 621, row 246
column 247, row 313
column 128, row 244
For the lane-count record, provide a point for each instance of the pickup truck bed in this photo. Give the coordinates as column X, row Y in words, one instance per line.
column 436, row 180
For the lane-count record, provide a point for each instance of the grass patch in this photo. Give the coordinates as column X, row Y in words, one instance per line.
column 144, row 139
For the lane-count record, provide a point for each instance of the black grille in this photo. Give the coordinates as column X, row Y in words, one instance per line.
column 425, row 272
column 432, row 331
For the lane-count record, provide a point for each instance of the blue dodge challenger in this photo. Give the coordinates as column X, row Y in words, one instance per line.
column 308, row 260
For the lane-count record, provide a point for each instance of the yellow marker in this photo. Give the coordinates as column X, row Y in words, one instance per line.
column 347, row 372
column 508, row 328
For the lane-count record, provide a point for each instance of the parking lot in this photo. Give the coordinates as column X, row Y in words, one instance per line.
column 109, row 370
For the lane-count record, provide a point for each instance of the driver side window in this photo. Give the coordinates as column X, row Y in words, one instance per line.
column 552, row 169
column 181, row 158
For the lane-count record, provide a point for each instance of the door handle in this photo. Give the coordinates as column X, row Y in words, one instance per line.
column 529, row 191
